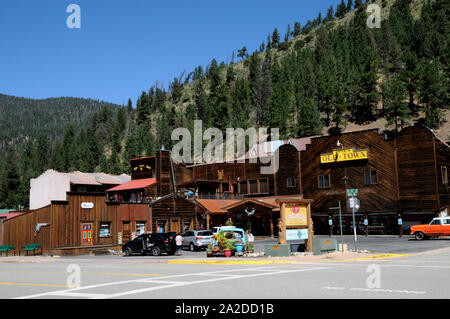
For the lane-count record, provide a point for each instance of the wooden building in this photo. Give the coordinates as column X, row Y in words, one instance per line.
column 82, row 223
column 400, row 177
column 405, row 176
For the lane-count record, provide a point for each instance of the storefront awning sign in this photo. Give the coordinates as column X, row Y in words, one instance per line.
column 343, row 155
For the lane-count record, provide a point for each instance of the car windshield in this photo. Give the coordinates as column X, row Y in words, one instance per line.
column 236, row 233
column 205, row 233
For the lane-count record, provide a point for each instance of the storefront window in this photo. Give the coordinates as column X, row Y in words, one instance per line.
column 161, row 227
column 105, row 229
column 140, row 228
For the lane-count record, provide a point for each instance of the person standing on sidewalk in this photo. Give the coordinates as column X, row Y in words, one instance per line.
column 179, row 242
column 249, row 238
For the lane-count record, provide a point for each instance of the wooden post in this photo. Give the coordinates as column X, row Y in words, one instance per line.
column 271, row 224
column 309, row 242
column 282, row 237
column 207, row 220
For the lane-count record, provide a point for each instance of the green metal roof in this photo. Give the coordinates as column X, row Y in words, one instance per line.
column 6, row 211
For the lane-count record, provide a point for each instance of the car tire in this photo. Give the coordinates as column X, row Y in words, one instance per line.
column 191, row 247
column 419, row 235
column 156, row 251
column 128, row 252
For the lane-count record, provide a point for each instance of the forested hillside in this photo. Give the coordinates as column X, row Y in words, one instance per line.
column 331, row 73
column 25, row 119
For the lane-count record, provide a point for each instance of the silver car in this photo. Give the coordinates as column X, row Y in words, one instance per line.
column 197, row 239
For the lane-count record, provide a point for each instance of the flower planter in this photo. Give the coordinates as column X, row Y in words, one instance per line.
column 227, row 252
column 239, row 248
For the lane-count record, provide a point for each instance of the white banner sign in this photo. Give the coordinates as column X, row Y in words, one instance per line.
column 87, row 205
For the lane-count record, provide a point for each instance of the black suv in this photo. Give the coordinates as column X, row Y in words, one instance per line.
column 156, row 244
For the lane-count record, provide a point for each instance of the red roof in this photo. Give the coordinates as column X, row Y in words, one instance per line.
column 134, row 184
column 11, row 215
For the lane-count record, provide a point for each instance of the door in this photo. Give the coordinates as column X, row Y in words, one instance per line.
column 126, row 231
column 87, row 234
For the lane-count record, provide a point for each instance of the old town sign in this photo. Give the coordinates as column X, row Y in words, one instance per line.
column 344, row 155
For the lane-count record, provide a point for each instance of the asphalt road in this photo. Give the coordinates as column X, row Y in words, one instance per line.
column 424, row 273
column 403, row 245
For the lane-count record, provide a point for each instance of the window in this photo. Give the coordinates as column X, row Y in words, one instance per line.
column 370, row 177
column 243, row 187
column 105, row 229
column 324, row 181
column 446, row 221
column 444, row 174
column 263, row 186
column 435, row 222
column 253, row 186
column 186, row 225
column 290, row 182
column 140, row 228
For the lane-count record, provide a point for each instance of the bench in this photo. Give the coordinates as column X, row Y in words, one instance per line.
column 31, row 247
column 6, row 248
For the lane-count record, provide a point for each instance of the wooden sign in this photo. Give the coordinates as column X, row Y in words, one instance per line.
column 296, row 215
column 85, row 205
column 142, row 167
column 295, row 221
column 343, row 155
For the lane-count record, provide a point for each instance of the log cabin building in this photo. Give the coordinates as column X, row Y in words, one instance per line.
column 403, row 176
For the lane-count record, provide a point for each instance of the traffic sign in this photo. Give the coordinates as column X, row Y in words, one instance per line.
column 353, row 202
column 352, row 192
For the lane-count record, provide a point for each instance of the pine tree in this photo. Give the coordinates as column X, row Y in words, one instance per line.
column 297, row 29
column 308, row 122
column 143, row 108
column 288, row 33
column 434, row 93
column 269, row 43
column 330, row 15
column 394, row 95
column 275, row 38
column 10, row 181
column 349, row 5
column 41, row 154
column 341, row 10
column 129, row 106
column 242, row 53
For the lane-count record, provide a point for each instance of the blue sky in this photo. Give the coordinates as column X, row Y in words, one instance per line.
column 124, row 47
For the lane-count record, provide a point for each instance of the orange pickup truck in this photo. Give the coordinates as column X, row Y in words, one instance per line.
column 439, row 226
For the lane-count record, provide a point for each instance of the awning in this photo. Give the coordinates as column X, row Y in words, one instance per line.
column 134, row 184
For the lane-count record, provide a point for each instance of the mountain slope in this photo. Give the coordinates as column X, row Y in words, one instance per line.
column 24, row 119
